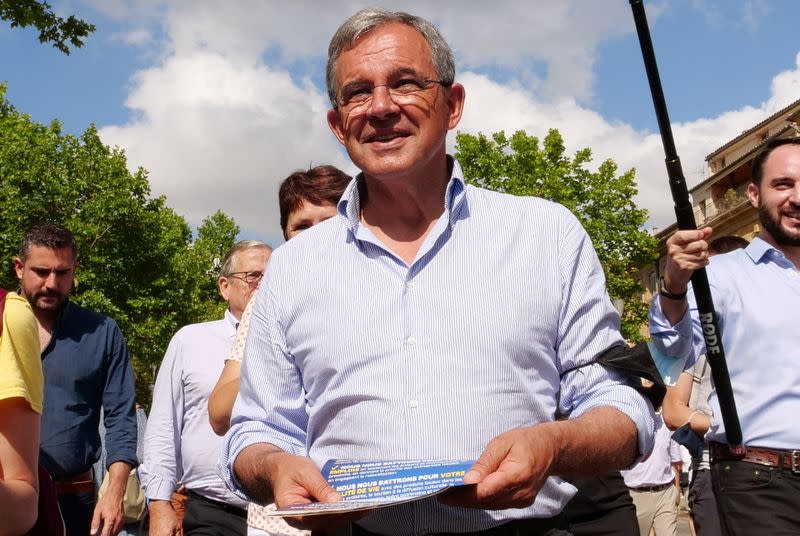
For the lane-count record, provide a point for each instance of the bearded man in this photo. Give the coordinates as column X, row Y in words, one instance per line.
column 756, row 293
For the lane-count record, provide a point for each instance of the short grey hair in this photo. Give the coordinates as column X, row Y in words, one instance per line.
column 370, row 18
column 242, row 245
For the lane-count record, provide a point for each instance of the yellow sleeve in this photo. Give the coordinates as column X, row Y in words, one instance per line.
column 20, row 355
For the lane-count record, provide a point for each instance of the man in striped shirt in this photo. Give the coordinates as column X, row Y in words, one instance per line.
column 429, row 319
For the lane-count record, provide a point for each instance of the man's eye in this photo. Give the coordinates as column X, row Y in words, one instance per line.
column 406, row 85
column 357, row 93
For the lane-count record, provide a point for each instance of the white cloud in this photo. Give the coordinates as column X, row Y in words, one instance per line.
column 218, row 127
column 216, row 134
column 513, row 108
column 138, row 37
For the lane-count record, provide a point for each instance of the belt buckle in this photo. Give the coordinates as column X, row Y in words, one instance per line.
column 795, row 454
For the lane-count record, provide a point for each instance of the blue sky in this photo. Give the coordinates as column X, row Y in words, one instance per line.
column 221, row 100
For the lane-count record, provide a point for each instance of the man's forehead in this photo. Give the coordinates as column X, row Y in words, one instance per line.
column 43, row 254
column 251, row 258
column 392, row 46
column 786, row 155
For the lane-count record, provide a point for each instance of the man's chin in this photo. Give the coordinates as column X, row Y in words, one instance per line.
column 48, row 305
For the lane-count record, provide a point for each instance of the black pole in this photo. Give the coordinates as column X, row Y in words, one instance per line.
column 715, row 354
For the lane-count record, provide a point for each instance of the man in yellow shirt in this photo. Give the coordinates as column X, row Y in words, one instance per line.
column 21, row 394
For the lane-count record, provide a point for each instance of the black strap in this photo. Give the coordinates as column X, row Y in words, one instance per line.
column 635, row 362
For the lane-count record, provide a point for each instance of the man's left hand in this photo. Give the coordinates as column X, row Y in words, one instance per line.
column 510, row 472
column 108, row 513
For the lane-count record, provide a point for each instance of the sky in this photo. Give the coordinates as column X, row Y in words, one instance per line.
column 220, row 101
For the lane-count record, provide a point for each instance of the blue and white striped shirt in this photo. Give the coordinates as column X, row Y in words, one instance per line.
column 354, row 354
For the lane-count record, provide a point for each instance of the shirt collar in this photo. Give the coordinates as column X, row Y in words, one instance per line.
column 455, row 198
column 230, row 320
column 759, row 250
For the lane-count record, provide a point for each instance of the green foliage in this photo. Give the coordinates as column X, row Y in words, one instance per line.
column 602, row 200
column 137, row 262
column 52, row 28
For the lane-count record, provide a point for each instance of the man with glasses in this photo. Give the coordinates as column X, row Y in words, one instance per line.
column 429, row 320
column 180, row 446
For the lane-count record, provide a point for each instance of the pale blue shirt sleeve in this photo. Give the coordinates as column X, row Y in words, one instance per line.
column 588, row 325
column 265, row 357
column 161, row 470
column 684, row 340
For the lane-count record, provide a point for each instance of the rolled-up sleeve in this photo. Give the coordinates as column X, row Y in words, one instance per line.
column 270, row 407
column 684, row 340
column 588, row 325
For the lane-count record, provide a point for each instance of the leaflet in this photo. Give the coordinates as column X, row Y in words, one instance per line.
column 366, row 485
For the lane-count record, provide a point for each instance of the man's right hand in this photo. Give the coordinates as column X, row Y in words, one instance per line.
column 163, row 519
column 687, row 251
column 293, row 480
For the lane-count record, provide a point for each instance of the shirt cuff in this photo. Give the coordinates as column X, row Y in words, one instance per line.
column 238, row 438
column 629, row 401
column 156, row 487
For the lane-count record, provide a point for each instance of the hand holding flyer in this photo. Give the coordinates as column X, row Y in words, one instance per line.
column 365, row 485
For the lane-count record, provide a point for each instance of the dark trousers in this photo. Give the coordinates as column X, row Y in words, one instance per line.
column 556, row 526
column 702, row 504
column 77, row 511
column 756, row 499
column 602, row 507
column 206, row 517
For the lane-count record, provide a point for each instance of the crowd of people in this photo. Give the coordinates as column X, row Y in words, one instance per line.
column 421, row 318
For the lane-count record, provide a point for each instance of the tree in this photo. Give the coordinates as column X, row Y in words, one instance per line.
column 137, row 262
column 52, row 28
column 602, row 200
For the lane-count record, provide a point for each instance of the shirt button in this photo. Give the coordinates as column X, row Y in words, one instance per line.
column 409, row 284
column 413, row 403
column 412, row 340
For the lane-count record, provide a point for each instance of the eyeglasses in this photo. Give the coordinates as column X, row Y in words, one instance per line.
column 251, row 278
column 402, row 92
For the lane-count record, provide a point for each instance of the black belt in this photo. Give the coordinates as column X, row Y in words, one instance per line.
column 657, row 487
column 219, row 504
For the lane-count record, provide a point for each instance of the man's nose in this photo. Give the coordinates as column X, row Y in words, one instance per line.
column 382, row 103
column 51, row 280
column 795, row 194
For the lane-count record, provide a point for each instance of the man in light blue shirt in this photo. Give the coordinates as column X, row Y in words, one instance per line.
column 180, row 446
column 756, row 293
column 429, row 319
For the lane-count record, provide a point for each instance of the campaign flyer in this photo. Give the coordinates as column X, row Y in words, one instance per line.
column 366, row 485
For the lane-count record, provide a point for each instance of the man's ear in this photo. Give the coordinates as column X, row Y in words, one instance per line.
column 224, row 288
column 336, row 125
column 18, row 266
column 753, row 194
column 455, row 103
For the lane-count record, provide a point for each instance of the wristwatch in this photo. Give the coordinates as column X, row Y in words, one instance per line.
column 662, row 289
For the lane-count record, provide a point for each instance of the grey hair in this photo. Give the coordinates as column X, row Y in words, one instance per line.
column 370, row 18
column 242, row 245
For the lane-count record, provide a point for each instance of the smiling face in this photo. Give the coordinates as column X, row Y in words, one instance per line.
column 777, row 197
column 385, row 139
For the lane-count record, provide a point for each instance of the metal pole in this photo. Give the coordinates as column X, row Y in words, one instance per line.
column 715, row 354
